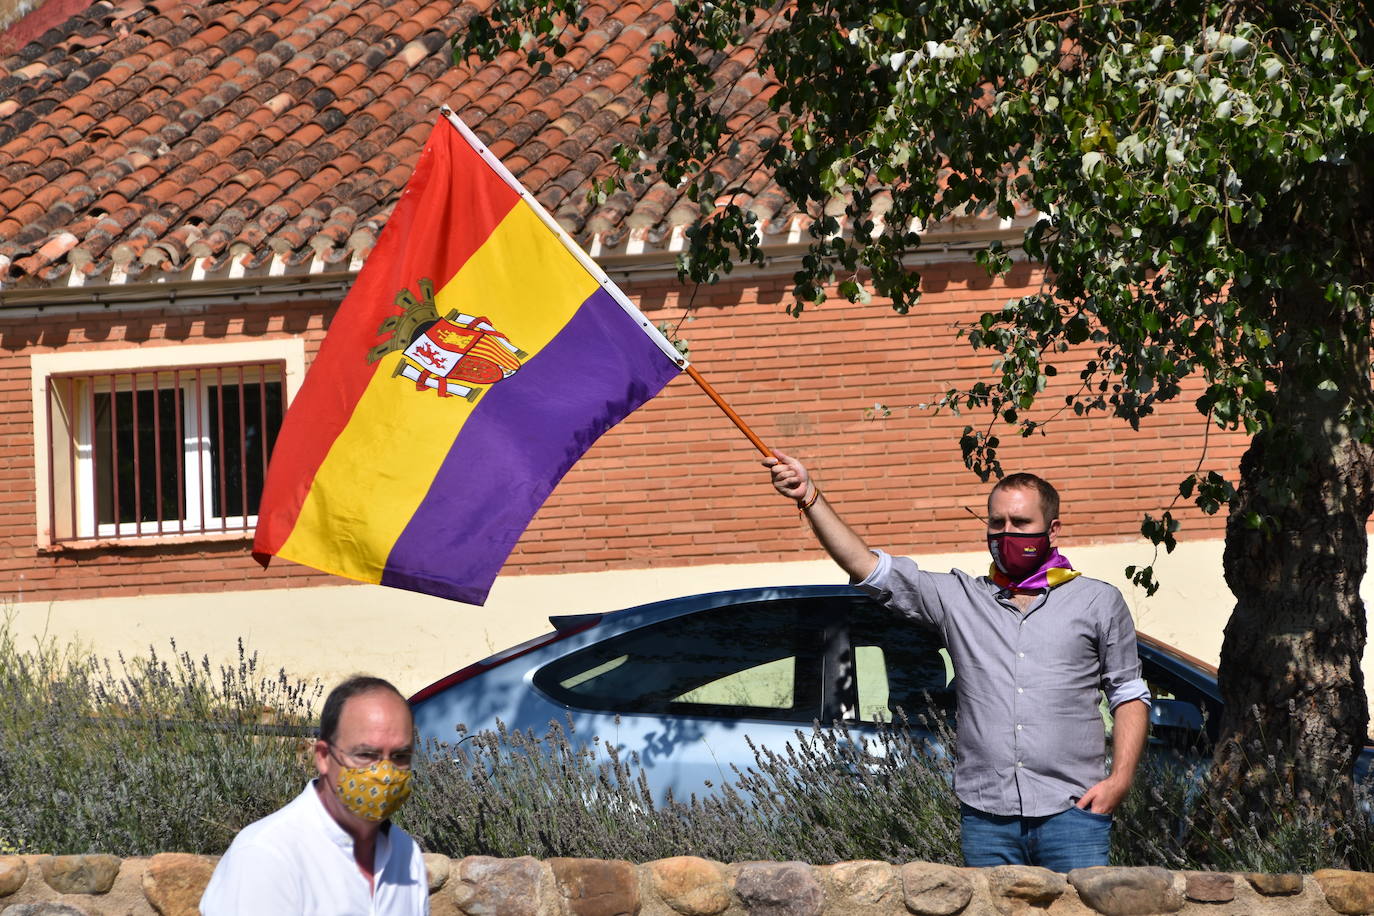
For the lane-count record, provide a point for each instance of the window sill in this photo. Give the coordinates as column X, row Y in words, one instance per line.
column 149, row 540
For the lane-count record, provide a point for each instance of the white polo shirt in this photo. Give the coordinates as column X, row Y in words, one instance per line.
column 298, row 860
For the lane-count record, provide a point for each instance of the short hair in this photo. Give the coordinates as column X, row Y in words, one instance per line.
column 1049, row 496
column 354, row 686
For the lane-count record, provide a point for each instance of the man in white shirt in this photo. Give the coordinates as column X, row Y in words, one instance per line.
column 333, row 850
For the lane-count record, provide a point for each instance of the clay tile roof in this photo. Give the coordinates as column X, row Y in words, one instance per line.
column 148, row 136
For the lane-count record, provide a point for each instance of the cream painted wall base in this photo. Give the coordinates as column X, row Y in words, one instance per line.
column 330, row 632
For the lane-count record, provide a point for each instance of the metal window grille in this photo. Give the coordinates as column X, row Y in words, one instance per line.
column 161, row 451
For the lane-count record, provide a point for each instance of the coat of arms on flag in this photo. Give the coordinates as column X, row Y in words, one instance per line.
column 452, row 355
column 457, row 349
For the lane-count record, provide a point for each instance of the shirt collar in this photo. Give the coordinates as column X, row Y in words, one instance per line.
column 341, row 837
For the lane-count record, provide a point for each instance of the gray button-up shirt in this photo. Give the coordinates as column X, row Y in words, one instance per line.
column 1031, row 736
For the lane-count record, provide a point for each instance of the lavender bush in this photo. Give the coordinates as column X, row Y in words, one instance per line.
column 827, row 797
column 830, row 796
column 156, row 754
column 144, row 755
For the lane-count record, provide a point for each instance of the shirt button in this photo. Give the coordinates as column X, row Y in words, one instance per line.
column 1020, row 690
column 1018, row 726
column 1019, row 763
column 1020, row 655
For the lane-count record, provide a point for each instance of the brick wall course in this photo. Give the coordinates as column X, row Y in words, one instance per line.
column 848, row 388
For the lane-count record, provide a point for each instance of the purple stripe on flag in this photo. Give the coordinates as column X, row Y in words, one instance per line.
column 519, row 441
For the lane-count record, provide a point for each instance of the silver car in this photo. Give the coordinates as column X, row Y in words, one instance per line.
column 680, row 683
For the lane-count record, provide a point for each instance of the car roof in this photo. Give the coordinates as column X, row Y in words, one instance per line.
column 1176, row 652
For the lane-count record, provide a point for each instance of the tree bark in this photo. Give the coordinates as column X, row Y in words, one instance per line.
column 1296, row 714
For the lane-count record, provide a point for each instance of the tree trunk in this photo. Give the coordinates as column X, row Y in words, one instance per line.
column 1296, row 713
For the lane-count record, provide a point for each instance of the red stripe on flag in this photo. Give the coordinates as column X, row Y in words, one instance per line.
column 449, row 207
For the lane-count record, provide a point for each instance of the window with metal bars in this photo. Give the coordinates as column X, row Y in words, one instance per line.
column 161, row 451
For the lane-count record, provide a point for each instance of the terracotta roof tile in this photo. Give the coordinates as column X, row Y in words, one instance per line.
column 152, row 134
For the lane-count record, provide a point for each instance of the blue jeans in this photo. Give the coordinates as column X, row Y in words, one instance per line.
column 1060, row 842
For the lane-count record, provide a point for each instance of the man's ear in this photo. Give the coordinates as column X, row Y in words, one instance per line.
column 1054, row 533
column 321, row 756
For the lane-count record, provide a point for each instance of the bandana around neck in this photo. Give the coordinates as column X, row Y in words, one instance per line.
column 1056, row 570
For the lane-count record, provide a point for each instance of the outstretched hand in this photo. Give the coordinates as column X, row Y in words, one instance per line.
column 790, row 477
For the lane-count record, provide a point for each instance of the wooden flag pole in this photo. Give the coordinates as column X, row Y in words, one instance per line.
column 729, row 411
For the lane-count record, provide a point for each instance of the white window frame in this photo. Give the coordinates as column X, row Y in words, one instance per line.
column 54, row 483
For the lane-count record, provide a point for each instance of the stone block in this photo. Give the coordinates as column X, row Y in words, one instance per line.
column 1127, row 891
column 1031, row 884
column 859, row 887
column 173, row 882
column 934, row 890
column 1275, row 885
column 596, row 887
column 14, row 871
column 1348, row 892
column 778, row 889
column 690, row 885
column 1209, row 887
column 83, row 874
column 442, row 904
column 436, row 869
column 486, row 886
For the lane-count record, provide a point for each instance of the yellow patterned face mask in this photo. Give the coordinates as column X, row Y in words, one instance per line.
column 375, row 792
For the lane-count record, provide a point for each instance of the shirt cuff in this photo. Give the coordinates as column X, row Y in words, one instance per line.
column 873, row 582
column 1131, row 690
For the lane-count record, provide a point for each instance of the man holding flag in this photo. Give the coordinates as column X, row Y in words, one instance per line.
column 1033, row 643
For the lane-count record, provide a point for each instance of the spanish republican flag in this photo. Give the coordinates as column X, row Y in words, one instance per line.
column 479, row 354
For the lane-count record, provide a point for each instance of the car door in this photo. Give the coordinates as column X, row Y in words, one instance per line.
column 893, row 668
column 686, row 695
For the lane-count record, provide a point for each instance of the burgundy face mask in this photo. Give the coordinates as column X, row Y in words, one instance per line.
column 1019, row 555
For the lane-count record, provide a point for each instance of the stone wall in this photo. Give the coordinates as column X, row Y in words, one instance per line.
column 171, row 884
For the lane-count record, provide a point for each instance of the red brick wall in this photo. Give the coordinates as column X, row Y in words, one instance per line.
column 676, row 484
column 30, row 574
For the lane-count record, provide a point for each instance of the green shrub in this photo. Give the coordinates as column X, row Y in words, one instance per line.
column 1160, row 823
column 151, row 755
column 145, row 755
column 827, row 797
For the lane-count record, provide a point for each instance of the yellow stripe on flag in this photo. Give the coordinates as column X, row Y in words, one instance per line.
column 383, row 462
column 516, row 279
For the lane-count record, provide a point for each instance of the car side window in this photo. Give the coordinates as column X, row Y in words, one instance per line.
column 771, row 685
column 898, row 665
column 1165, row 685
column 760, row 660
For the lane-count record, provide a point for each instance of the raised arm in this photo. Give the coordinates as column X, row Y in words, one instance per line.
column 790, row 478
